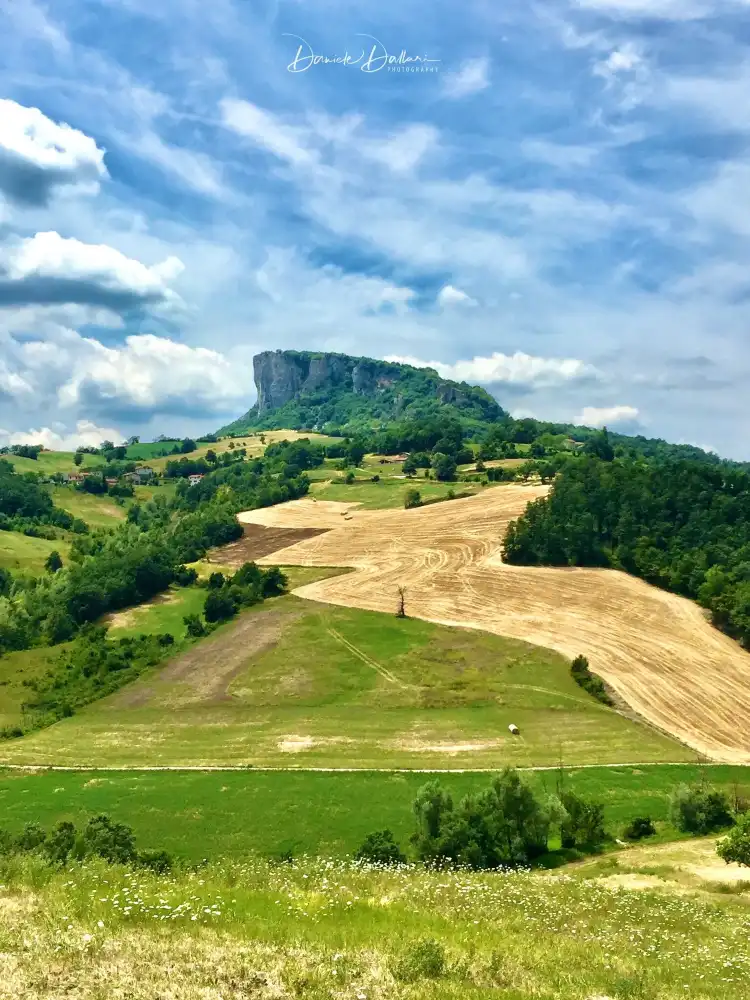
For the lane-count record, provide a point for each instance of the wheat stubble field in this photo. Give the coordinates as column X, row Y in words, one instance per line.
column 655, row 649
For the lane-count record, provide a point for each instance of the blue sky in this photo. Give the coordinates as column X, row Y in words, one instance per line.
column 556, row 205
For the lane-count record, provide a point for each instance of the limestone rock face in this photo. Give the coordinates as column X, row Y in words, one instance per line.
column 278, row 378
column 282, row 375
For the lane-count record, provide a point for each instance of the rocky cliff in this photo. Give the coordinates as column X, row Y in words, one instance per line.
column 317, row 390
column 281, row 376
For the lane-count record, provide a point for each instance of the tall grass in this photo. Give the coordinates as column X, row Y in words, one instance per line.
column 324, row 928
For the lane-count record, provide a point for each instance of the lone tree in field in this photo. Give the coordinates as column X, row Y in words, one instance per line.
column 401, row 612
column 54, row 562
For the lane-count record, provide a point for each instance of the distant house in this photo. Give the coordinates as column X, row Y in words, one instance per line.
column 74, row 477
column 144, row 473
column 195, row 478
column 110, row 481
column 132, row 477
column 388, row 459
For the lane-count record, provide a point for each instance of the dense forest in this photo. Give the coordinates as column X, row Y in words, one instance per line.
column 682, row 525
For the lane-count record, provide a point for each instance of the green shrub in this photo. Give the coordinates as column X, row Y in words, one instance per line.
column 380, row 848
column 699, row 809
column 194, row 626
column 158, row 861
column 735, row 847
column 32, row 837
column 504, row 826
column 412, row 498
column 424, row 960
column 638, row 828
column 579, row 670
column 583, row 822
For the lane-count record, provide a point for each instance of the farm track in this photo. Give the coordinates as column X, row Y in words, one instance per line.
column 655, row 649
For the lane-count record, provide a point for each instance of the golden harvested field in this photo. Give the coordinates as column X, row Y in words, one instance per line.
column 655, row 649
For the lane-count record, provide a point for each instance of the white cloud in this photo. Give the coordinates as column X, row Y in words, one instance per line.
column 49, row 269
column 11, row 383
column 148, row 373
column 450, row 296
column 472, row 77
column 604, row 416
column 38, row 155
column 265, row 130
column 515, row 369
column 622, row 60
column 86, row 435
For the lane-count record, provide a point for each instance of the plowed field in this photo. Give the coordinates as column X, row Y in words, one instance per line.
column 655, row 649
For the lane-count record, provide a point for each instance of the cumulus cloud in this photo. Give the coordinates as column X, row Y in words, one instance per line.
column 472, row 77
column 601, row 416
column 451, row 296
column 47, row 269
column 86, row 435
column 12, row 385
column 38, row 155
column 146, row 373
column 515, row 369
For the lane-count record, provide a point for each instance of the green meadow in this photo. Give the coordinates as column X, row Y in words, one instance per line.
column 294, row 683
column 48, row 463
column 22, row 553
column 198, row 814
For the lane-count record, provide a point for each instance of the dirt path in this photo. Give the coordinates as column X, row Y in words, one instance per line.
column 203, row 674
column 655, row 649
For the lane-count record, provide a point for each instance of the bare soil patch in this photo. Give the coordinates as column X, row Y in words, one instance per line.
column 258, row 541
column 655, row 650
column 204, row 673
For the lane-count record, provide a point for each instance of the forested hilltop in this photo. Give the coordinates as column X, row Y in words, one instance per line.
column 389, row 407
column 336, row 393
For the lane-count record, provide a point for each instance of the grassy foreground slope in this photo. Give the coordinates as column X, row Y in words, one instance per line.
column 293, row 683
column 326, row 930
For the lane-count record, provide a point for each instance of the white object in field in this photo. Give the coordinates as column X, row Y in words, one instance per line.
column 514, row 729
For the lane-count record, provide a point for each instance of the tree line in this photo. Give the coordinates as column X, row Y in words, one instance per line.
column 681, row 525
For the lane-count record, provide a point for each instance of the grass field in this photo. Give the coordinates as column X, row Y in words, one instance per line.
column 49, row 462
column 293, row 683
column 96, row 511
column 389, row 492
column 163, row 613
column 15, row 668
column 251, row 442
column 323, row 930
column 22, row 553
column 238, row 813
